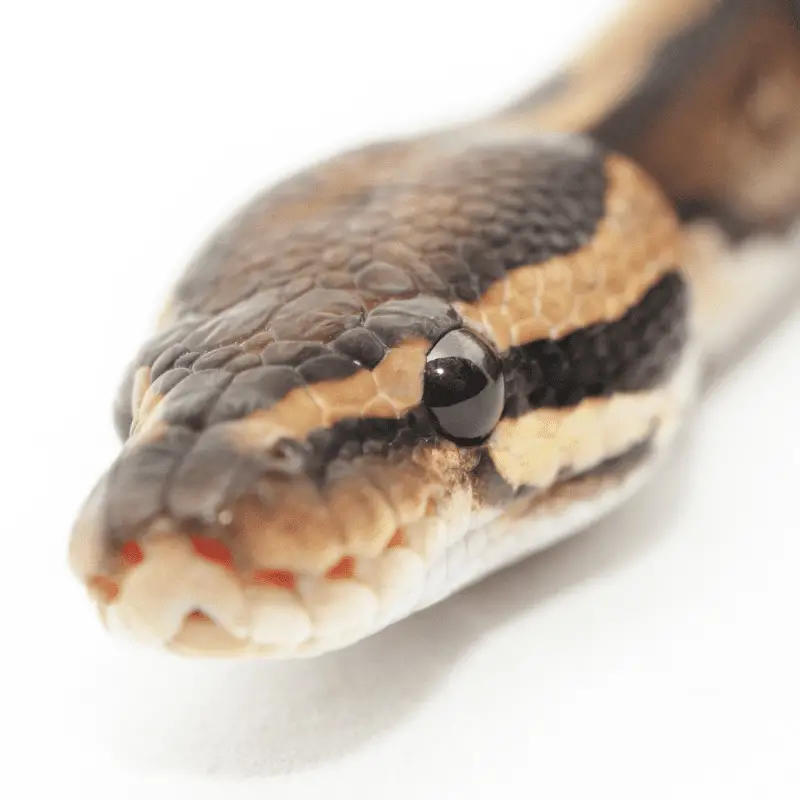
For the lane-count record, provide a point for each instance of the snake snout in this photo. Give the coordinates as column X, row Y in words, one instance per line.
column 291, row 567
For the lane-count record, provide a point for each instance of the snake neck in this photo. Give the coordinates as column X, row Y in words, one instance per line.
column 703, row 95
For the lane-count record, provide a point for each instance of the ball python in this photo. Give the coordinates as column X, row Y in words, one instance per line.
column 411, row 365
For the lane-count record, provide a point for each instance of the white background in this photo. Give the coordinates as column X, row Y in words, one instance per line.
column 655, row 657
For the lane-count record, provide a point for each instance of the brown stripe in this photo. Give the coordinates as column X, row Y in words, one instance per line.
column 636, row 243
column 673, row 65
column 389, row 390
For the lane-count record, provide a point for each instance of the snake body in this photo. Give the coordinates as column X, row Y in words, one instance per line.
column 420, row 361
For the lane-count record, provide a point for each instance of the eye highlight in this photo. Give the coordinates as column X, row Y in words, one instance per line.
column 464, row 387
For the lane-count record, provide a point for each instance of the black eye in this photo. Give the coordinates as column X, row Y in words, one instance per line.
column 464, row 387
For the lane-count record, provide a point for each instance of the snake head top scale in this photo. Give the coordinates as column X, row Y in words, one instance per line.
column 419, row 361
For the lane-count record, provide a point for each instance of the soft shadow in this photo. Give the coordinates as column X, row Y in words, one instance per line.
column 263, row 718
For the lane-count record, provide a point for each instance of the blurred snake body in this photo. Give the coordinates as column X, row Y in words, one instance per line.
column 420, row 361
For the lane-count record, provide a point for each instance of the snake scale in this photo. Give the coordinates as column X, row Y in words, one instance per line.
column 409, row 366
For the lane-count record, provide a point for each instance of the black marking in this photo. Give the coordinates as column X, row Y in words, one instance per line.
column 420, row 318
column 217, row 358
column 166, row 382
column 138, row 480
column 291, row 353
column 631, row 354
column 194, row 398
column 254, row 390
column 363, row 346
column 167, row 360
column 329, row 450
column 330, row 367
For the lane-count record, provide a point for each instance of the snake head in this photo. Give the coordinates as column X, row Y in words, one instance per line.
column 370, row 371
column 293, row 529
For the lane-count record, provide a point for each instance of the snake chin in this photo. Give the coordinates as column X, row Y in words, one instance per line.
column 305, row 583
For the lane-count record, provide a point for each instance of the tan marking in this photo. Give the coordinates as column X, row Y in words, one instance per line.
column 293, row 526
column 362, row 513
column 147, row 415
column 611, row 66
column 86, row 543
column 141, row 386
column 152, row 429
column 557, row 499
column 393, row 387
column 289, row 528
column 636, row 242
column 534, row 449
column 167, row 315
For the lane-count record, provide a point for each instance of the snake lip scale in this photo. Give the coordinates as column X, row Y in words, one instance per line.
column 407, row 367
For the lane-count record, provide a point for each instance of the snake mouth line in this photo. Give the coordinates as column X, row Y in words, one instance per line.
column 171, row 593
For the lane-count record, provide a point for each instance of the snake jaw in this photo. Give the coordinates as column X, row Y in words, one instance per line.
column 180, row 601
column 183, row 593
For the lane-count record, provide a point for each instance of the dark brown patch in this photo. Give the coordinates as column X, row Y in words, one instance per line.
column 328, row 294
column 671, row 68
column 716, row 120
column 634, row 353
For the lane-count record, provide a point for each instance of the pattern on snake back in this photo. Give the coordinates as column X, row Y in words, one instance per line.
column 320, row 275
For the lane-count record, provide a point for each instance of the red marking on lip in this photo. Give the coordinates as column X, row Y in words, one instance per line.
column 212, row 550
column 398, row 540
column 344, row 569
column 107, row 588
column 131, row 554
column 282, row 578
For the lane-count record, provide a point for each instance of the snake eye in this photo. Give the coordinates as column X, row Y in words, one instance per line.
column 464, row 387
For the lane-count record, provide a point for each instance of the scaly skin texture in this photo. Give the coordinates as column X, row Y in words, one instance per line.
column 283, row 488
